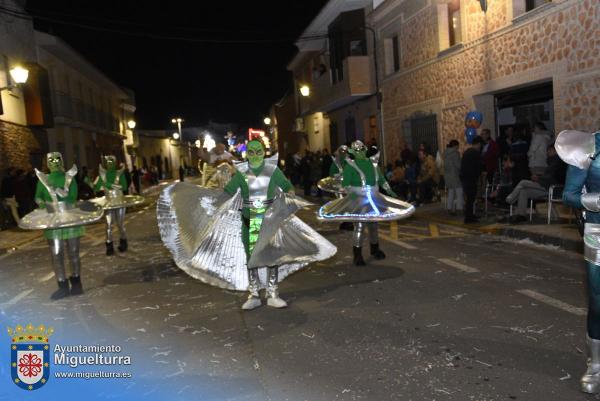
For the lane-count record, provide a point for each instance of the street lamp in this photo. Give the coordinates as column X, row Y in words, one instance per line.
column 305, row 90
column 176, row 136
column 19, row 76
column 267, row 121
column 178, row 121
column 131, row 124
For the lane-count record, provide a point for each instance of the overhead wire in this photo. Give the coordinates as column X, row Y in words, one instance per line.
column 150, row 35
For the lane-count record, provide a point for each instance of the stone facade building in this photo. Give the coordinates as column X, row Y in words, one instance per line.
column 519, row 62
column 22, row 135
column 90, row 110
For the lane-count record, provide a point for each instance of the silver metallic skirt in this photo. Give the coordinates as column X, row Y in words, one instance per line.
column 365, row 204
column 118, row 202
column 202, row 228
column 332, row 184
column 591, row 243
column 217, row 177
column 62, row 215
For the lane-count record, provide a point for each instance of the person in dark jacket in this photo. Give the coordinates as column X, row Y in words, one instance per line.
column 135, row 177
column 518, row 156
column 127, row 175
column 537, row 187
column 490, row 154
column 470, row 170
column 23, row 194
column 181, row 173
column 7, row 189
column 327, row 162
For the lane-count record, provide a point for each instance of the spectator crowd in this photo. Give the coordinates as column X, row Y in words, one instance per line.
column 519, row 166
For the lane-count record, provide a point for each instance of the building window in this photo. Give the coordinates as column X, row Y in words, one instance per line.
column 521, row 7
column 531, row 4
column 454, row 23
column 346, row 38
column 396, row 52
column 392, row 54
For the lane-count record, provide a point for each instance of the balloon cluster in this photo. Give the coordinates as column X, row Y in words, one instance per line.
column 472, row 122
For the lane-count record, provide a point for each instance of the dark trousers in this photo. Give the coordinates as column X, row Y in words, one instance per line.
column 470, row 192
column 426, row 191
column 307, row 187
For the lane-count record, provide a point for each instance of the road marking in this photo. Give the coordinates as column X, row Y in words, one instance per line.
column 554, row 302
column 46, row 277
column 399, row 243
column 394, row 230
column 458, row 265
column 434, row 230
column 16, row 299
column 98, row 241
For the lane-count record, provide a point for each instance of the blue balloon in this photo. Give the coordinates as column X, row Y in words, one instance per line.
column 473, row 119
column 470, row 134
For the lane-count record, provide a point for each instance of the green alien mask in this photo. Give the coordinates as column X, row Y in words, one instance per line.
column 110, row 162
column 255, row 153
column 54, row 161
column 358, row 150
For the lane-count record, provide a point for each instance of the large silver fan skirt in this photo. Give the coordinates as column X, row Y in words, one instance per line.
column 110, row 203
column 202, row 227
column 81, row 213
column 331, row 184
column 365, row 204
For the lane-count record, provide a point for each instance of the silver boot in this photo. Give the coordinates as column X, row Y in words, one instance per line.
column 272, row 292
column 590, row 381
column 253, row 301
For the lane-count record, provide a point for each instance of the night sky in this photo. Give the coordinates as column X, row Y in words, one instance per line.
column 163, row 51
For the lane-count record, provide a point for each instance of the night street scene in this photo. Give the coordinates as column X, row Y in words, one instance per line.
column 300, row 200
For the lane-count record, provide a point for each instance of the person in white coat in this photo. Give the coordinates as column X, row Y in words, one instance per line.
column 537, row 149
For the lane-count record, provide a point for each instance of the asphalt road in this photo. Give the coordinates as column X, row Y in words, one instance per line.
column 449, row 315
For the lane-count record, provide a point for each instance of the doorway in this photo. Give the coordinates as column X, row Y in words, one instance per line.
column 350, row 129
column 522, row 108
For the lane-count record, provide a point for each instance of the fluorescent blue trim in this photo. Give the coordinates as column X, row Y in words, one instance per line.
column 370, row 198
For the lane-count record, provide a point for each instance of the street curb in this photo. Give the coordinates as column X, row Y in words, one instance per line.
column 511, row 232
column 563, row 243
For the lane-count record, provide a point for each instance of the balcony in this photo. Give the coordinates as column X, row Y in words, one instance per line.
column 71, row 111
column 357, row 83
column 63, row 105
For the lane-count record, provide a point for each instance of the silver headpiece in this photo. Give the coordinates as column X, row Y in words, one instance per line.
column 358, row 146
column 576, row 148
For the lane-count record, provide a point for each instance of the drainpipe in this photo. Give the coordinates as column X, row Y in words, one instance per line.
column 379, row 97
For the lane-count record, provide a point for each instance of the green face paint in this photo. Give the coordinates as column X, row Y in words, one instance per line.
column 55, row 162
column 255, row 154
column 110, row 163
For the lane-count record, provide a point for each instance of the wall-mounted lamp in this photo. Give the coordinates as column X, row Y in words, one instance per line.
column 19, row 76
column 131, row 124
column 305, row 90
